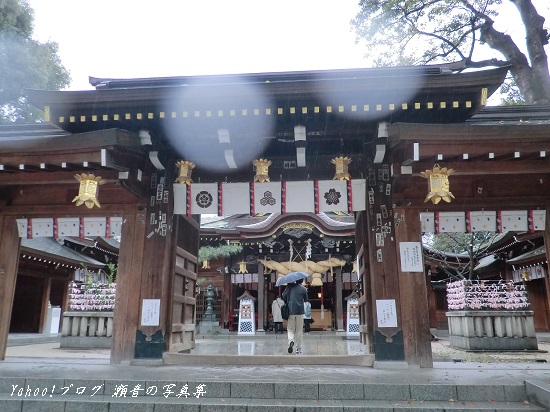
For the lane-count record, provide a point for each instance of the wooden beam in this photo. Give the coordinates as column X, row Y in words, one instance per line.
column 9, row 256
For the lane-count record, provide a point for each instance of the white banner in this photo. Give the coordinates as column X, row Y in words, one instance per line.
column 204, row 198
column 332, row 195
column 235, row 198
column 513, row 221
column 485, row 221
column 180, row 199
column 358, row 193
column 267, row 197
column 68, row 227
column 299, row 197
column 451, row 222
column 427, row 222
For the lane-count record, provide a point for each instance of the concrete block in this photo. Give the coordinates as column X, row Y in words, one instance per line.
column 169, row 388
column 11, row 405
column 258, row 390
column 85, row 387
column 515, row 393
column 271, row 405
column 174, row 407
column 211, row 389
column 384, row 391
column 224, row 405
column 417, row 406
column 128, row 386
column 54, row 385
column 140, row 406
column 42, row 405
column 538, row 392
column 7, row 384
column 480, row 393
column 86, row 406
column 296, row 390
column 370, row 406
column 432, row 392
column 319, row 406
column 341, row 391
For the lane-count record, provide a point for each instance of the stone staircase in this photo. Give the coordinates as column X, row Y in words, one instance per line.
column 20, row 394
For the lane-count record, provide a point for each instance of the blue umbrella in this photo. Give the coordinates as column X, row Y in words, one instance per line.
column 291, row 277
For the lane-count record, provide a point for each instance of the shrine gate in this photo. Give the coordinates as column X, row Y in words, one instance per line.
column 140, row 135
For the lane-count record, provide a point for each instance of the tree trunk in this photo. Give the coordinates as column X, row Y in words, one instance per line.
column 532, row 78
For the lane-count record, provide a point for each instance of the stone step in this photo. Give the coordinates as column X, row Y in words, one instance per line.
column 27, row 394
column 106, row 403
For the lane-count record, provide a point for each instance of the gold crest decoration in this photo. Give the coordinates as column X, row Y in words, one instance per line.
column 341, row 164
column 438, row 184
column 184, row 174
column 88, row 190
column 262, row 170
column 242, row 267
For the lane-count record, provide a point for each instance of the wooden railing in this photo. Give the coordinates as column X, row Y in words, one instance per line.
column 90, row 324
column 492, row 329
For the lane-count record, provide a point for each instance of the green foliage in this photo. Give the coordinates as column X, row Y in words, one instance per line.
column 24, row 63
column 216, row 252
column 461, row 242
column 405, row 32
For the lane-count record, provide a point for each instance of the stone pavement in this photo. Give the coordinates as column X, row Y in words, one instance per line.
column 481, row 382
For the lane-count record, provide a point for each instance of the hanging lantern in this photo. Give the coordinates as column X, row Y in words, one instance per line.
column 185, row 169
column 88, row 190
column 242, row 267
column 262, row 170
column 205, row 264
column 438, row 184
column 525, row 275
column 316, row 279
column 341, row 164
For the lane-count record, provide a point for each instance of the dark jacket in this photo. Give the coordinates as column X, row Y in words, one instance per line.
column 295, row 295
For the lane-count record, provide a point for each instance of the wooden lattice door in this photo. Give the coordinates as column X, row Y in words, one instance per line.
column 182, row 336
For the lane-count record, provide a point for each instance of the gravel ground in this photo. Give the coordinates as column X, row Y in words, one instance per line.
column 442, row 351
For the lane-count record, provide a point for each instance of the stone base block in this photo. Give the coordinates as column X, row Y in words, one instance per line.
column 493, row 344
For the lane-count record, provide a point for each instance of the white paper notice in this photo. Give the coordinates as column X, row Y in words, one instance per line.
column 411, row 256
column 386, row 313
column 150, row 312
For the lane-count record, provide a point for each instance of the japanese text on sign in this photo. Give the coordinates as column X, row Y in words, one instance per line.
column 386, row 313
column 411, row 256
column 150, row 312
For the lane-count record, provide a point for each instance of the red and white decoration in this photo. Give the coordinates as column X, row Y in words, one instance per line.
column 478, row 221
column 315, row 196
column 70, row 227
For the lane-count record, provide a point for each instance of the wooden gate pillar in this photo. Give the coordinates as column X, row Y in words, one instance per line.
column 413, row 295
column 338, row 298
column 128, row 291
column 9, row 258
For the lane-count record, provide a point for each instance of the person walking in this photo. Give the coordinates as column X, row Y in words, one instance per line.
column 295, row 294
column 276, row 312
column 307, row 317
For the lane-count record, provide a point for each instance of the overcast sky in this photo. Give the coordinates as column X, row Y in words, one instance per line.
column 143, row 38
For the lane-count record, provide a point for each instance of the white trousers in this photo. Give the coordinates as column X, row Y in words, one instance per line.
column 295, row 329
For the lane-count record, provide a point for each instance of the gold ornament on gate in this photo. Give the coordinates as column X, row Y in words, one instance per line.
column 262, row 170
column 88, row 190
column 438, row 184
column 242, row 267
column 185, row 169
column 341, row 164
